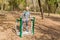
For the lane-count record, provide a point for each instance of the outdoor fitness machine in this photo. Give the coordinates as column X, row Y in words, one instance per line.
column 21, row 32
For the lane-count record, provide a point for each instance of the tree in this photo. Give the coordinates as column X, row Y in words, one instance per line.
column 14, row 4
column 48, row 6
column 34, row 4
column 2, row 3
column 26, row 2
column 39, row 2
column 52, row 5
column 56, row 5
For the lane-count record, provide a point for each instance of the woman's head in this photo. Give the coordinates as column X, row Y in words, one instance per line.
column 27, row 8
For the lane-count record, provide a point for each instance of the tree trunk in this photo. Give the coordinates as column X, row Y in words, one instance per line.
column 56, row 6
column 26, row 2
column 46, row 3
column 2, row 5
column 49, row 10
column 48, row 7
column 39, row 2
column 34, row 4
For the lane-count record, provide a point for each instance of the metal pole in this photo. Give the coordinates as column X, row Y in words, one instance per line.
column 20, row 27
column 33, row 22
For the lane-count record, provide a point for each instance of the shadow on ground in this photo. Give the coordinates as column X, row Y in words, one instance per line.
column 49, row 34
column 53, row 18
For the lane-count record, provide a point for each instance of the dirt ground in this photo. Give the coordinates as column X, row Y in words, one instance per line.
column 47, row 29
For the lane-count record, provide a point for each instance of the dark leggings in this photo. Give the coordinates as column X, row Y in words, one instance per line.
column 26, row 25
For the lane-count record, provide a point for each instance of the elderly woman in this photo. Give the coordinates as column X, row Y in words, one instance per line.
column 26, row 16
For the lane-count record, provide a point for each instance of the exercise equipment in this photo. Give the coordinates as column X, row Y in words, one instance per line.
column 21, row 32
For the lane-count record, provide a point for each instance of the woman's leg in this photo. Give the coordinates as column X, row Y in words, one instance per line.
column 27, row 25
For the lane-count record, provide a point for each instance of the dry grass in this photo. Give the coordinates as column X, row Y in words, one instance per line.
column 46, row 29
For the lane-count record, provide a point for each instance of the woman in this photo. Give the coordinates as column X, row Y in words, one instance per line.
column 26, row 15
